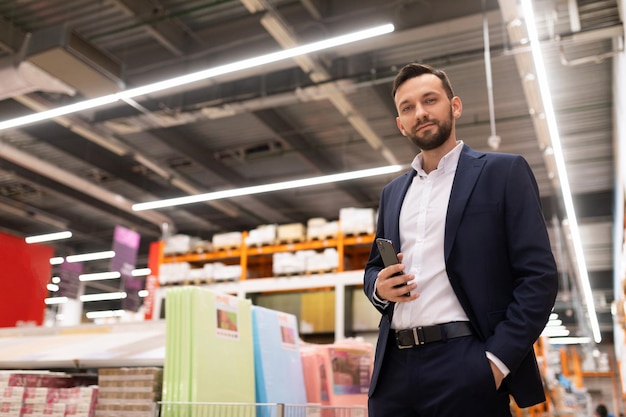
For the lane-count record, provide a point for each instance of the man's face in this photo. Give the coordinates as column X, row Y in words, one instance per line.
column 425, row 114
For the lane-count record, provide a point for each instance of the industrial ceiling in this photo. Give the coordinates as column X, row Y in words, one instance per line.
column 323, row 113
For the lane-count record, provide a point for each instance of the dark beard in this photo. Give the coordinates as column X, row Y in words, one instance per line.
column 434, row 140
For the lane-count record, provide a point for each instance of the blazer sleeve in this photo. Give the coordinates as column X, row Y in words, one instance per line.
column 533, row 273
column 375, row 262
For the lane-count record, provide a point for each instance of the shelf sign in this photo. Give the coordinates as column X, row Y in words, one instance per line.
column 70, row 283
column 125, row 246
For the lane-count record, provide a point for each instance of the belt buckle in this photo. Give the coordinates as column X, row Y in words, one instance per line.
column 418, row 336
column 400, row 344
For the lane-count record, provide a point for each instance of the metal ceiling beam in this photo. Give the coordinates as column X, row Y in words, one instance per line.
column 168, row 31
column 269, row 206
column 11, row 36
column 274, row 24
column 109, row 142
column 57, row 174
column 317, row 159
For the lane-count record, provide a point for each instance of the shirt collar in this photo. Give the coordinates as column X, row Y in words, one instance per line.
column 448, row 162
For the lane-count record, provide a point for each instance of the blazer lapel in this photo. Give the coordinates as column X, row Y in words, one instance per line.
column 396, row 206
column 468, row 169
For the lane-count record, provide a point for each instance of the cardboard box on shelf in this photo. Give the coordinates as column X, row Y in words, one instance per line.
column 291, row 233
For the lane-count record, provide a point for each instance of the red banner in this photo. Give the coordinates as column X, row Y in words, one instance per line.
column 152, row 281
column 24, row 274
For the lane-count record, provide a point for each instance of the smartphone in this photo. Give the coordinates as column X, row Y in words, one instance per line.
column 387, row 252
column 389, row 255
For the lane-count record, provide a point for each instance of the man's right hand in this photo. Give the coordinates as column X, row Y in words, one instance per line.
column 395, row 288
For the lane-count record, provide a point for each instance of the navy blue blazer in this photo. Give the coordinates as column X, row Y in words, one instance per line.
column 498, row 259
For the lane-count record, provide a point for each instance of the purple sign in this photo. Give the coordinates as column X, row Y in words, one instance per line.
column 70, row 282
column 125, row 246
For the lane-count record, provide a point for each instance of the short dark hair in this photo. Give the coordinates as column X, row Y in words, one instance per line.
column 415, row 70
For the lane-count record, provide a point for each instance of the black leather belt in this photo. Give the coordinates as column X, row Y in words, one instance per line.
column 416, row 336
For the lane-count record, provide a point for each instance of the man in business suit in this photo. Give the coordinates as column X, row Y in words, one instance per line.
column 477, row 276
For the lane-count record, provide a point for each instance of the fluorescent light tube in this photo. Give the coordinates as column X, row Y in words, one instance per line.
column 548, row 109
column 48, row 237
column 56, row 300
column 141, row 272
column 52, row 287
column 257, row 189
column 90, row 256
column 104, row 314
column 99, row 276
column 57, row 260
column 199, row 76
column 103, row 296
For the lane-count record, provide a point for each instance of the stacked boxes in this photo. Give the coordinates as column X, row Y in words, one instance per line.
column 290, row 233
column 173, row 272
column 290, row 263
column 80, row 401
column 305, row 261
column 182, row 272
column 262, row 235
column 228, row 240
column 319, row 229
column 44, row 394
column 11, row 401
column 128, row 392
column 356, row 221
column 179, row 244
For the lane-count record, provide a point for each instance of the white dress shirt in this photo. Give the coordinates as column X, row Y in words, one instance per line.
column 422, row 227
column 422, row 230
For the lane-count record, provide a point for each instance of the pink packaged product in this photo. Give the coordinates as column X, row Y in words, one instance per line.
column 11, row 401
column 315, row 377
column 49, row 410
column 31, row 379
column 80, row 401
column 42, row 401
column 338, row 374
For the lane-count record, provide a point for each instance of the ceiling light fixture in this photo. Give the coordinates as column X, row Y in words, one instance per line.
column 544, row 88
column 94, row 256
column 199, row 76
column 141, row 272
column 257, row 189
column 57, row 260
column 105, row 314
column 103, row 296
column 48, row 237
column 56, row 300
column 99, row 276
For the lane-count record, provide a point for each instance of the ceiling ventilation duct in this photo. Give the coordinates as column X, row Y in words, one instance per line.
column 72, row 59
column 19, row 78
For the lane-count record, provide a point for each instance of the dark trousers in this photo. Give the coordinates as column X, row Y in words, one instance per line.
column 450, row 378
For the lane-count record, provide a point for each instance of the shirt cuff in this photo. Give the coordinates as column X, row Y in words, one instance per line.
column 377, row 299
column 501, row 366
